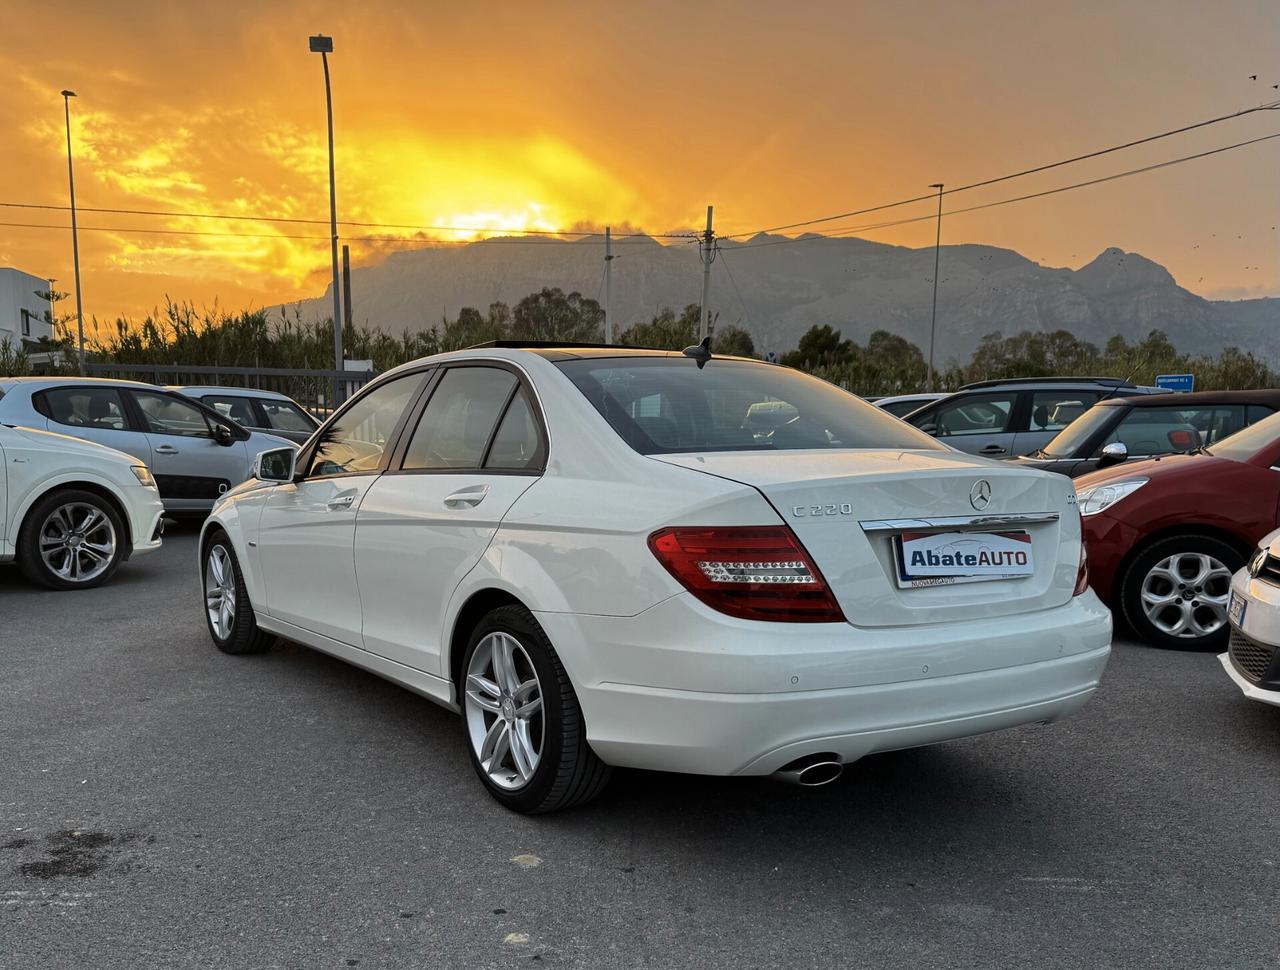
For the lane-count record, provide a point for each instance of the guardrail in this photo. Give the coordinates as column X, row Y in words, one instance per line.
column 316, row 390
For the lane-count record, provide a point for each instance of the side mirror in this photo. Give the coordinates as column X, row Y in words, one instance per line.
column 223, row 435
column 275, row 466
column 1113, row 453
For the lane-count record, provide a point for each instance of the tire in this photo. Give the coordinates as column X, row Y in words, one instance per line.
column 227, row 610
column 558, row 769
column 1191, row 576
column 72, row 539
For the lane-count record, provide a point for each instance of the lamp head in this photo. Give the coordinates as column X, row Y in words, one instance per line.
column 320, row 44
column 68, row 94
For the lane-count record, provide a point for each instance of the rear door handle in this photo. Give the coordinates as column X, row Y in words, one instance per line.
column 340, row 503
column 466, row 498
column 166, row 450
column 993, row 450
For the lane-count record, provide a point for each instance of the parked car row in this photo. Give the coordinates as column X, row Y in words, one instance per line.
column 605, row 556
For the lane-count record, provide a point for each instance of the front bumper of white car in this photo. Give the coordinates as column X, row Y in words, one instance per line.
column 681, row 687
column 1252, row 659
column 145, row 517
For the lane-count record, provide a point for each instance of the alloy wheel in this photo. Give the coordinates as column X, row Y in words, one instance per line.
column 1185, row 595
column 220, row 591
column 78, row 542
column 503, row 707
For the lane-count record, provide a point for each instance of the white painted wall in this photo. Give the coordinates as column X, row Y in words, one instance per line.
column 18, row 293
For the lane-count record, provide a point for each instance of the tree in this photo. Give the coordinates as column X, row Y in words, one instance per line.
column 733, row 341
column 820, row 346
column 551, row 315
column 665, row 331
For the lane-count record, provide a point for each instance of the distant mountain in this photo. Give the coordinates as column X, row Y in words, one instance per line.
column 777, row 288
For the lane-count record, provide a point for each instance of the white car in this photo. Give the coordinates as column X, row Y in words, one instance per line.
column 72, row 511
column 195, row 452
column 900, row 405
column 1254, row 613
column 611, row 557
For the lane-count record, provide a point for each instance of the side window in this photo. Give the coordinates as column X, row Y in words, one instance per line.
column 1054, row 410
column 976, row 414
column 168, row 414
column 517, row 445
column 1220, row 423
column 1256, row 412
column 356, row 439
column 1160, row 431
column 459, row 420
column 238, row 409
column 86, row 407
column 286, row 416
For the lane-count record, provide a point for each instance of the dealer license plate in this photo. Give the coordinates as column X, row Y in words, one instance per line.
column 1235, row 608
column 949, row 558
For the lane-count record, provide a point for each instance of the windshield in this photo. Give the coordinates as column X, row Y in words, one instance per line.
column 663, row 405
column 1243, row 445
column 1072, row 438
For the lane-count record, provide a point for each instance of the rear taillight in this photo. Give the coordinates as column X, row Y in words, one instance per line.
column 1082, row 573
column 1183, row 440
column 754, row 572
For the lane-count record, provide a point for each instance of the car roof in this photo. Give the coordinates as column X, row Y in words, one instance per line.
column 1270, row 397
column 561, row 350
column 41, row 382
column 229, row 391
column 1069, row 383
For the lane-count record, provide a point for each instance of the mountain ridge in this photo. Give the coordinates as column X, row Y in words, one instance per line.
column 776, row 287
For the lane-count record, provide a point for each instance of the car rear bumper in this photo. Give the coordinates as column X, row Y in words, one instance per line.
column 682, row 688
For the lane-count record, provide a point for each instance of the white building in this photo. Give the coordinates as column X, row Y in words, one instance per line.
column 22, row 312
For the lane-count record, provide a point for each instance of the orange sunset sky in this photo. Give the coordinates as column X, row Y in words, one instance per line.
column 553, row 115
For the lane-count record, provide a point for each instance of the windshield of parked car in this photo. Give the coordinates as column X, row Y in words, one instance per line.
column 1243, row 445
column 1072, row 438
column 663, row 405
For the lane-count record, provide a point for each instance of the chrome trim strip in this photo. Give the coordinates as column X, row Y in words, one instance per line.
column 958, row 521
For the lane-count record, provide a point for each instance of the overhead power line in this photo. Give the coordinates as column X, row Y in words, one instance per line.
column 1270, row 106
column 324, row 222
column 850, row 230
column 408, row 240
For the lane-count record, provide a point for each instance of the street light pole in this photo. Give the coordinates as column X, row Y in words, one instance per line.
column 322, row 45
column 933, row 317
column 75, row 234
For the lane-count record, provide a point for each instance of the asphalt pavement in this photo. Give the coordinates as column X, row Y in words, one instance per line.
column 163, row 805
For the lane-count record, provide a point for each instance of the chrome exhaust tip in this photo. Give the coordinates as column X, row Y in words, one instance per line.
column 812, row 770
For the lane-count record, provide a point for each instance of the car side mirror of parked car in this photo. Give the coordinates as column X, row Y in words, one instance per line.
column 223, row 435
column 275, row 466
column 1113, row 454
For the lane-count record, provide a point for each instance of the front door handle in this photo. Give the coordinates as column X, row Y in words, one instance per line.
column 340, row 503
column 993, row 450
column 466, row 498
column 166, row 450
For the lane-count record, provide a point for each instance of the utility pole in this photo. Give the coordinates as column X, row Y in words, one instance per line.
column 75, row 234
column 708, row 253
column 322, row 45
column 346, row 285
column 608, row 284
column 933, row 317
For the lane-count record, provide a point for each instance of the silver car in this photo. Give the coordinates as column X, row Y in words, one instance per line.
column 257, row 410
column 194, row 452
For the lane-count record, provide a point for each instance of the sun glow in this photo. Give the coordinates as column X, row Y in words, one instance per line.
column 467, row 226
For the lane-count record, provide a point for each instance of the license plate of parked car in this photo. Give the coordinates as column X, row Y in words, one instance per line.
column 948, row 558
column 1235, row 608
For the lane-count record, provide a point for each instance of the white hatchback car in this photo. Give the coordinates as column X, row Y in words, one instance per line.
column 606, row 557
column 1254, row 613
column 72, row 511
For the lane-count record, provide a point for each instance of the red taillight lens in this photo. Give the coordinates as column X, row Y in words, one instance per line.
column 1183, row 440
column 1082, row 574
column 754, row 572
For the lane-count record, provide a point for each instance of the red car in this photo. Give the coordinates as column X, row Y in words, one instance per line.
column 1164, row 536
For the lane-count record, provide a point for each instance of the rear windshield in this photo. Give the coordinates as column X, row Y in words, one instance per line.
column 665, row 405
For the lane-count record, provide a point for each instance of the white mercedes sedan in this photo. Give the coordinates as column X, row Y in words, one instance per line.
column 612, row 557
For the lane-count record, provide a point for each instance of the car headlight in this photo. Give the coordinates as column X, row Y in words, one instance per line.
column 1258, row 561
column 1096, row 498
column 143, row 474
